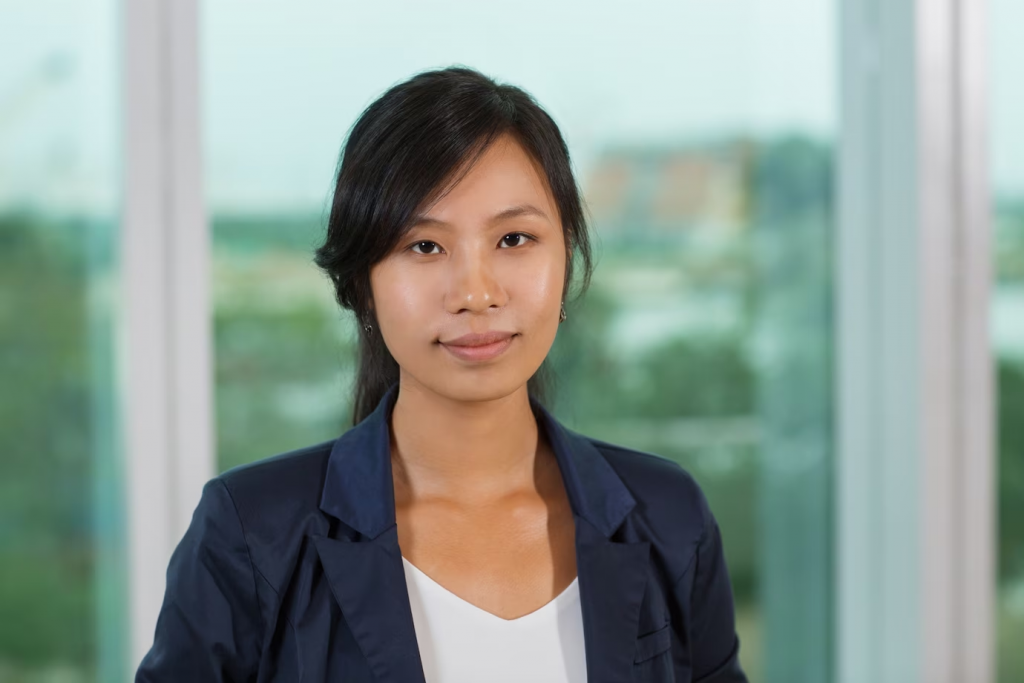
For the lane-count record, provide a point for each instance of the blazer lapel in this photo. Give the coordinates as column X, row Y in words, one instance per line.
column 367, row 578
column 612, row 579
column 612, row 573
column 368, row 581
column 364, row 566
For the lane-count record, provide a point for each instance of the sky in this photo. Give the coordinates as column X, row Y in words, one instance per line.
column 282, row 81
column 59, row 106
column 1006, row 60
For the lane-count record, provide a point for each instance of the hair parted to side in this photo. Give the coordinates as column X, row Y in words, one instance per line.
column 405, row 151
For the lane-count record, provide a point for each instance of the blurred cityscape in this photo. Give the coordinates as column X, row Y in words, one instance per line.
column 706, row 338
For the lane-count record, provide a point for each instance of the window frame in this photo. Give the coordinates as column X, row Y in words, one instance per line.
column 915, row 540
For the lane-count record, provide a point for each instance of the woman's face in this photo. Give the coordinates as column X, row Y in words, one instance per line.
column 489, row 257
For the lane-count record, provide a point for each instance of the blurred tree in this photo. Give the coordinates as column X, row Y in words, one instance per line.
column 46, row 553
column 284, row 352
column 1010, row 398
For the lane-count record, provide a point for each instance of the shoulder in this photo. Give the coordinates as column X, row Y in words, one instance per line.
column 283, row 487
column 658, row 484
column 671, row 510
column 296, row 469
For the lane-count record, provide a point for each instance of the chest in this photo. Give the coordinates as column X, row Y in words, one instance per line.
column 460, row 643
column 344, row 614
column 509, row 559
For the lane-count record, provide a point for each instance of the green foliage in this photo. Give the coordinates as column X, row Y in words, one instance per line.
column 689, row 377
column 585, row 375
column 793, row 180
column 1009, row 241
column 46, row 559
column 1010, row 397
column 269, row 364
column 47, row 599
column 284, row 354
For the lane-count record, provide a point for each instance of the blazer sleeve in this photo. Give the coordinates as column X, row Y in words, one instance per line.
column 209, row 625
column 706, row 588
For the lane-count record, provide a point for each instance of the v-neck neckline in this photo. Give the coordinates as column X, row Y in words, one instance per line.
column 566, row 594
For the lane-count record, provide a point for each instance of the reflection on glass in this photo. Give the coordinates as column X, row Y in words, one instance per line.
column 61, row 554
column 1008, row 327
column 706, row 336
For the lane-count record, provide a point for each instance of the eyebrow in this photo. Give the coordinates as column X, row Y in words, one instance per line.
column 511, row 212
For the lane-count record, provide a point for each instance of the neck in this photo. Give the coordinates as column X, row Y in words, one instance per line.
column 468, row 452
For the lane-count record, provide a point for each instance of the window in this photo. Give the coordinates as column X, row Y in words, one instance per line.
column 62, row 567
column 707, row 334
column 1008, row 327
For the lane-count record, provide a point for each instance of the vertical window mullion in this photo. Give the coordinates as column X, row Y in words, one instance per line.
column 164, row 335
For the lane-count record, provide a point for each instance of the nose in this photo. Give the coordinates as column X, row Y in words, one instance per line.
column 473, row 285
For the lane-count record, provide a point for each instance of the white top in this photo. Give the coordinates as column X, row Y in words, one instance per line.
column 462, row 643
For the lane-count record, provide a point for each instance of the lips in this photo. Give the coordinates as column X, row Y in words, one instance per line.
column 479, row 347
column 481, row 339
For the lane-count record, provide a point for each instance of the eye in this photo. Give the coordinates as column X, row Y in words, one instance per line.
column 515, row 236
column 420, row 244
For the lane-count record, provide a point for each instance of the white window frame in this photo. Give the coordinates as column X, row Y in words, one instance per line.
column 915, row 538
column 164, row 335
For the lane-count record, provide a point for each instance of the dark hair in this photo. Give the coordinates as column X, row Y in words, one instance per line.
column 409, row 146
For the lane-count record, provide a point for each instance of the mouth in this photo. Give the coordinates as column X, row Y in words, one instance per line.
column 477, row 348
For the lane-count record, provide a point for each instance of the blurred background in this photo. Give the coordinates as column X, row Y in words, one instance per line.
column 165, row 170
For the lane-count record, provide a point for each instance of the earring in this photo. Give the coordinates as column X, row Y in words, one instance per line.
column 561, row 313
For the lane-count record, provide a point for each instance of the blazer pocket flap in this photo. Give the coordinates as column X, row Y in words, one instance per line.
column 653, row 643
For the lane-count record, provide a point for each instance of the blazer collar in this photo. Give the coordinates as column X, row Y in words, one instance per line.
column 367, row 578
column 359, row 489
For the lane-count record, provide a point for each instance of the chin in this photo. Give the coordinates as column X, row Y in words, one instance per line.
column 480, row 386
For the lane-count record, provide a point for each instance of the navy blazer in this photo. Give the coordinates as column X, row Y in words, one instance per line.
column 290, row 570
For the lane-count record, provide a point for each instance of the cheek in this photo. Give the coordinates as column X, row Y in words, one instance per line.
column 402, row 302
column 535, row 293
column 540, row 284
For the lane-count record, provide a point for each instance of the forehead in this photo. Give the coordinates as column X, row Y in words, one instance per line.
column 504, row 174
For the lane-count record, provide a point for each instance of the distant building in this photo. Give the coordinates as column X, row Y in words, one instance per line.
column 673, row 222
column 660, row 193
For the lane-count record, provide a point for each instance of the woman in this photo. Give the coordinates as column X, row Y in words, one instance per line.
column 458, row 532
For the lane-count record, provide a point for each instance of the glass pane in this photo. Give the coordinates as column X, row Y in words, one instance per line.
column 708, row 177
column 1007, row 153
column 62, row 569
